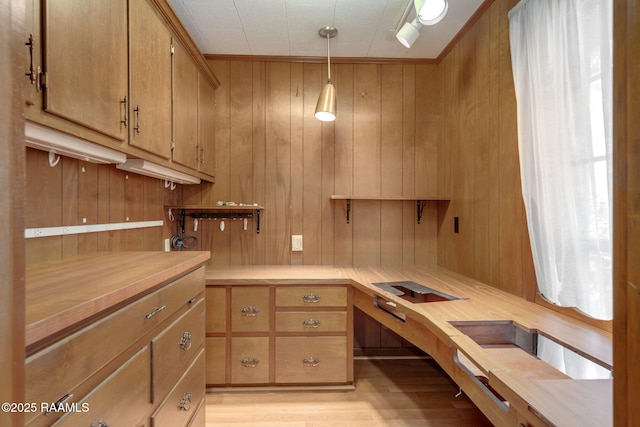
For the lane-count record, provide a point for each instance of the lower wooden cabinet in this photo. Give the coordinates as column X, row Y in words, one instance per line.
column 142, row 365
column 280, row 335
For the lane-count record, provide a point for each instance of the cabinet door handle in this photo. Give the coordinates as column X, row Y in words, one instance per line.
column 154, row 312
column 185, row 341
column 125, row 120
column 137, row 111
column 311, row 298
column 311, row 323
column 250, row 362
column 32, row 71
column 185, row 403
column 100, row 424
column 250, row 311
column 310, row 362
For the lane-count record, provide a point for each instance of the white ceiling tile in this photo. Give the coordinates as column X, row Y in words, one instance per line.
column 290, row 27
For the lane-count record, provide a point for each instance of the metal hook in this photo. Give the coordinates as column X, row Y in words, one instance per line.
column 54, row 159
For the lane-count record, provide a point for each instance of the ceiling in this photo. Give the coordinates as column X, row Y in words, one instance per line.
column 366, row 28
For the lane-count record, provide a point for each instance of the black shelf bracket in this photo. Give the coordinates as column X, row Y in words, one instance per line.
column 420, row 204
column 348, row 210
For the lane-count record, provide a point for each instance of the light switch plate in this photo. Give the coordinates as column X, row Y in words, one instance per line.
column 296, row 242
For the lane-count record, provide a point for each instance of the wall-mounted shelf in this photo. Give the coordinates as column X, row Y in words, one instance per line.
column 219, row 212
column 420, row 201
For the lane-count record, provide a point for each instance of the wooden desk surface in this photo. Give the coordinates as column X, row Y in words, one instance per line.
column 480, row 303
column 65, row 292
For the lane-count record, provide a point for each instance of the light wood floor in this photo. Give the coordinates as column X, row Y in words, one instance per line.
column 389, row 392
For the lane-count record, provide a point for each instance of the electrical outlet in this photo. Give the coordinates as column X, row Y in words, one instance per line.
column 167, row 245
column 296, row 242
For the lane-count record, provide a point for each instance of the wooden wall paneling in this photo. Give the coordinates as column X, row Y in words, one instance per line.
column 328, row 159
column 69, row 204
column 104, row 184
column 429, row 128
column 445, row 165
column 511, row 205
column 259, row 156
column 43, row 206
column 12, row 210
column 133, row 210
column 299, row 142
column 117, row 240
column 452, row 137
column 278, row 163
column 626, row 213
column 493, row 164
column 309, row 170
column 153, row 237
column 240, row 154
column 408, row 163
column 465, row 172
column 241, row 242
column 482, row 149
column 366, row 164
column 391, row 163
column 343, row 169
column 88, row 205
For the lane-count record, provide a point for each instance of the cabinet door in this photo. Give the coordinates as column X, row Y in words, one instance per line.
column 33, row 51
column 85, row 60
column 207, row 127
column 185, row 108
column 150, row 64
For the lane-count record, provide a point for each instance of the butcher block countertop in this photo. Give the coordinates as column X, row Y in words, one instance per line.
column 68, row 292
column 529, row 383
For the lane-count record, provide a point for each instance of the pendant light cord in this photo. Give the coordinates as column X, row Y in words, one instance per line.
column 328, row 58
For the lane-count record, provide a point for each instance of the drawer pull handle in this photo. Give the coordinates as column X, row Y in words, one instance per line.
column 311, row 323
column 185, row 341
column 154, row 312
column 250, row 311
column 59, row 402
column 185, row 403
column 310, row 362
column 100, row 424
column 250, row 362
column 311, row 298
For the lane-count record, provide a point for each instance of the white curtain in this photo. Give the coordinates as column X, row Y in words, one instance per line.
column 561, row 52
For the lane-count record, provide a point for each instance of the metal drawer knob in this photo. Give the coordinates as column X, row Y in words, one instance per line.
column 250, row 311
column 311, row 323
column 311, row 298
column 100, row 424
column 185, row 403
column 185, row 341
column 250, row 362
column 310, row 362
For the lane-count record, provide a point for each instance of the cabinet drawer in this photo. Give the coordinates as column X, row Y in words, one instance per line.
column 250, row 309
column 174, row 348
column 216, row 360
column 118, row 401
column 182, row 402
column 199, row 419
column 311, row 322
column 302, row 360
column 309, row 296
column 216, row 310
column 56, row 370
column 249, row 360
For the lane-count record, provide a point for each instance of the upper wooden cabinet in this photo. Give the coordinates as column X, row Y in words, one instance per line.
column 85, row 63
column 206, row 127
column 150, row 64
column 123, row 74
column 185, row 108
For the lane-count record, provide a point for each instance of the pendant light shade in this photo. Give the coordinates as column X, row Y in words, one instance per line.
column 326, row 106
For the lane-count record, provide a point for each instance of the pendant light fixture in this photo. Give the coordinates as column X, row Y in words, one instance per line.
column 326, row 106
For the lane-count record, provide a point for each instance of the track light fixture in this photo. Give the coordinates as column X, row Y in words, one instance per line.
column 326, row 106
column 428, row 12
